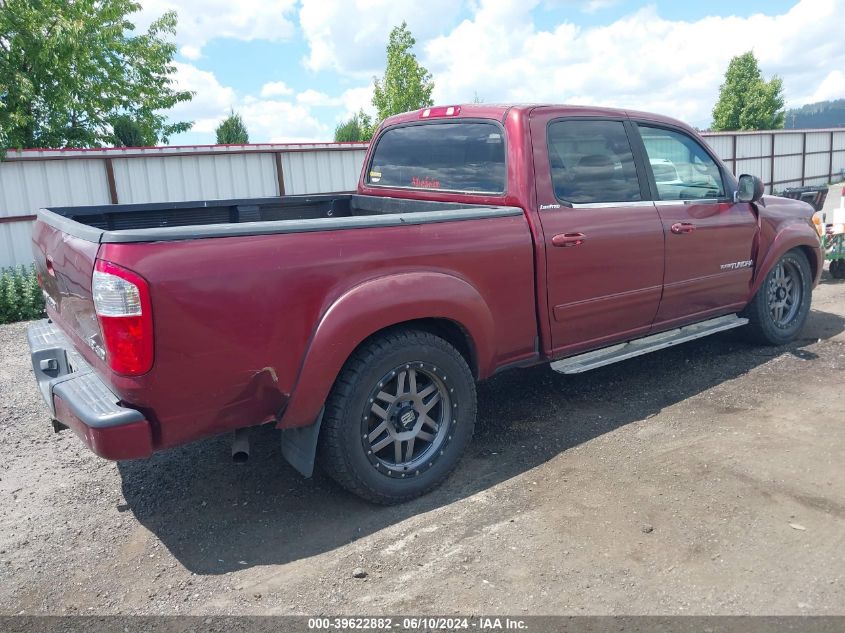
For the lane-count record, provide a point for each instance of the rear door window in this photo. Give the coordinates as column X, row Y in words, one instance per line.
column 592, row 162
column 458, row 156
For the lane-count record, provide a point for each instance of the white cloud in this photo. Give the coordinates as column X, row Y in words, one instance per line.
column 276, row 121
column 597, row 5
column 276, row 89
column 350, row 35
column 586, row 6
column 211, row 102
column 832, row 87
column 640, row 61
column 355, row 99
column 201, row 21
column 314, row 98
column 268, row 119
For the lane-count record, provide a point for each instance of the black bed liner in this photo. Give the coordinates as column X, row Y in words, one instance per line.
column 254, row 216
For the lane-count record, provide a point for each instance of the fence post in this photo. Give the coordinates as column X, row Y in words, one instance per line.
column 733, row 136
column 772, row 165
column 804, row 160
column 280, row 174
column 830, row 162
column 110, row 179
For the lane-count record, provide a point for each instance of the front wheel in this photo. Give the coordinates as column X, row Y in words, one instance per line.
column 779, row 309
column 399, row 417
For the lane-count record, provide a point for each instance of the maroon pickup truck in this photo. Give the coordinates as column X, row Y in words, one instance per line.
column 480, row 238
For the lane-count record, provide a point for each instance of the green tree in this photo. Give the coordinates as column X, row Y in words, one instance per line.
column 69, row 67
column 746, row 100
column 232, row 130
column 406, row 85
column 357, row 128
column 128, row 132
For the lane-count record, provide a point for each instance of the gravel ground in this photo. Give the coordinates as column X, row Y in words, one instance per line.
column 703, row 479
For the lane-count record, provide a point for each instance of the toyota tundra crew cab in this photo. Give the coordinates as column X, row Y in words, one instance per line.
column 480, row 238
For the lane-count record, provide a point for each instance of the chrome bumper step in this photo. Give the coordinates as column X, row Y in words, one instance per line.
column 652, row 343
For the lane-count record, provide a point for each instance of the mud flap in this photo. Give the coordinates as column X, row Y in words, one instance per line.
column 299, row 446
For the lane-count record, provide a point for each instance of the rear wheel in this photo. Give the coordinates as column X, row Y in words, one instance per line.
column 779, row 309
column 399, row 417
column 837, row 269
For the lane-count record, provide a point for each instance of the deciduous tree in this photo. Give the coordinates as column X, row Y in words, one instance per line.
column 746, row 100
column 406, row 85
column 69, row 68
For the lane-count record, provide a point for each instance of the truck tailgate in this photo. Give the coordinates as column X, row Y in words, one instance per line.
column 65, row 265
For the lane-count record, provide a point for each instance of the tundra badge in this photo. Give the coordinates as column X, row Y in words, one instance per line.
column 735, row 265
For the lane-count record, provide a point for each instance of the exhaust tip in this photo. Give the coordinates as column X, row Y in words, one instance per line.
column 240, row 446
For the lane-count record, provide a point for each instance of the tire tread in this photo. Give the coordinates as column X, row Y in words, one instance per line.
column 331, row 453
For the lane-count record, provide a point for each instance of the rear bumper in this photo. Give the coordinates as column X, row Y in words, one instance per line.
column 78, row 398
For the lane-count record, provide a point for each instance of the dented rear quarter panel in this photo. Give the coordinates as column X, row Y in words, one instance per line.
column 235, row 317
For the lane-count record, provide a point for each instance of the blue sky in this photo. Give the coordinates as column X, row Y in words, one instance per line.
column 294, row 68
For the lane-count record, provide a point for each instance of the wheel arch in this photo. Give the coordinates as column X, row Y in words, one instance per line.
column 794, row 237
column 447, row 306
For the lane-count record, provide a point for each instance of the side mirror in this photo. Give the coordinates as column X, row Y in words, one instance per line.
column 750, row 189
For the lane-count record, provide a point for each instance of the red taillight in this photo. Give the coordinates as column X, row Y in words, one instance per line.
column 122, row 303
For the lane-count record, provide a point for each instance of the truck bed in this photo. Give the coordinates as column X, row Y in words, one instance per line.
column 234, row 316
column 254, row 216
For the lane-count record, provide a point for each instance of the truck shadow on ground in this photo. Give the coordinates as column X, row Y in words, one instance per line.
column 216, row 517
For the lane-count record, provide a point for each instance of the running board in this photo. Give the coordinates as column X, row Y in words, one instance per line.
column 637, row 347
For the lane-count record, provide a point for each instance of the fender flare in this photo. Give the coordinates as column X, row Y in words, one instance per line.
column 787, row 239
column 373, row 306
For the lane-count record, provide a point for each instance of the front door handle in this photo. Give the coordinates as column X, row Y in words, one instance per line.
column 568, row 239
column 682, row 227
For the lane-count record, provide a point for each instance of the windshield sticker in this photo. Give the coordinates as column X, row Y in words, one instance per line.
column 425, row 183
column 375, row 176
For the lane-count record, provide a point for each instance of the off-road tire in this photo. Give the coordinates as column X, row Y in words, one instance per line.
column 343, row 448
column 764, row 327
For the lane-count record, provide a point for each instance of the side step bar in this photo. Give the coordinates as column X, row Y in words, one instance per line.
column 637, row 347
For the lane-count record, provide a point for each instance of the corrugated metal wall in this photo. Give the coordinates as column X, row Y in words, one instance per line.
column 785, row 158
column 33, row 179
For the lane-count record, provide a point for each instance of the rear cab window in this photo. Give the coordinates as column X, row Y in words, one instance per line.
column 459, row 156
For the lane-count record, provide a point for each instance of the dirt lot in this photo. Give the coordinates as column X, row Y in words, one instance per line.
column 703, row 479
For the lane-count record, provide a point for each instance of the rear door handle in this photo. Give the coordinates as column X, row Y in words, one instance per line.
column 682, row 227
column 568, row 239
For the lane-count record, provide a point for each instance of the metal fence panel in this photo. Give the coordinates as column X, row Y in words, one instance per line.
column 25, row 187
column 838, row 164
column 817, row 165
column 722, row 145
column 15, row 244
column 818, row 141
column 749, row 146
column 28, row 186
column 760, row 167
column 789, row 167
column 788, row 144
column 321, row 172
column 195, row 177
